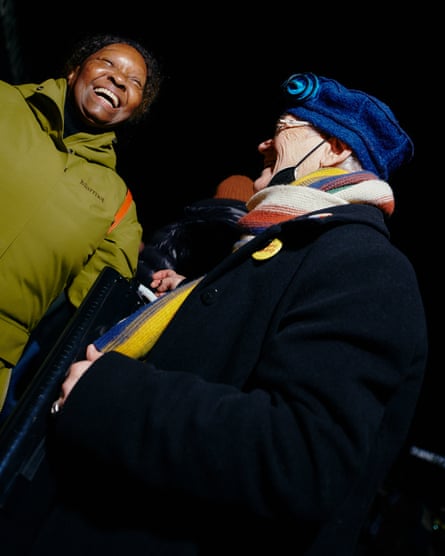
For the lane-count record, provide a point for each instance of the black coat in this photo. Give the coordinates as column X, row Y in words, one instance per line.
column 266, row 416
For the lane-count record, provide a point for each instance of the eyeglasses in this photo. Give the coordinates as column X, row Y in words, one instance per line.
column 284, row 123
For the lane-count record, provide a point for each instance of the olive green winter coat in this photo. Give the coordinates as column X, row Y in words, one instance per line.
column 58, row 199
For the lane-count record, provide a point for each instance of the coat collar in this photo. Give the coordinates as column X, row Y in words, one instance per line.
column 47, row 101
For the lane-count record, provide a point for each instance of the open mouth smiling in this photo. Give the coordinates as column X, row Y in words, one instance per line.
column 108, row 96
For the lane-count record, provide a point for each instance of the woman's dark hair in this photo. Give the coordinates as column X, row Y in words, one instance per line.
column 92, row 43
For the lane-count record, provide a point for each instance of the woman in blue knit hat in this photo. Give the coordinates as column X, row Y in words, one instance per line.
column 326, row 132
column 260, row 408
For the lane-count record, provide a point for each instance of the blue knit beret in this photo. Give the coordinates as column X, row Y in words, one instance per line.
column 363, row 122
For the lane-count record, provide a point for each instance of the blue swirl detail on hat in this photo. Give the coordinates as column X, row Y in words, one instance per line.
column 302, row 86
column 364, row 123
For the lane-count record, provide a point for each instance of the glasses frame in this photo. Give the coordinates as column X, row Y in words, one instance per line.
column 285, row 123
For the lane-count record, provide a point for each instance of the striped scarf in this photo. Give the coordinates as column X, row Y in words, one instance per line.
column 137, row 334
column 324, row 188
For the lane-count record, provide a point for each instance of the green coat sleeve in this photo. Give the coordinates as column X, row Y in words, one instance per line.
column 119, row 249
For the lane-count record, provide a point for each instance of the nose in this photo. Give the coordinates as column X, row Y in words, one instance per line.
column 267, row 150
column 265, row 146
column 118, row 79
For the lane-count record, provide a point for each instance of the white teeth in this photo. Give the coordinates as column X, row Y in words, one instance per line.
column 109, row 95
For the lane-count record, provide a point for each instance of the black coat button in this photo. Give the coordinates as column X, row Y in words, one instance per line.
column 209, row 296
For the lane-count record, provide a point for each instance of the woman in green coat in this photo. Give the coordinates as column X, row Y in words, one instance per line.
column 59, row 186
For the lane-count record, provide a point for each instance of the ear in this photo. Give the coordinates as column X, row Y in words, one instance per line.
column 338, row 152
column 72, row 76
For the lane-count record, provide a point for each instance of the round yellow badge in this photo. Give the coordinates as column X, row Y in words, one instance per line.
column 269, row 251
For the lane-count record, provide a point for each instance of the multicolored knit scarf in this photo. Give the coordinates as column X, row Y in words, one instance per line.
column 137, row 334
column 327, row 187
column 324, row 188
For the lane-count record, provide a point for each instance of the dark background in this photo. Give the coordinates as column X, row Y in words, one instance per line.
column 223, row 64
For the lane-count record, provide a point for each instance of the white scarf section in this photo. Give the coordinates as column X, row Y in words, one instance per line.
column 295, row 201
column 324, row 188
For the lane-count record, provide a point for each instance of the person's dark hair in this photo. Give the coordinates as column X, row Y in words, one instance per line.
column 92, row 43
